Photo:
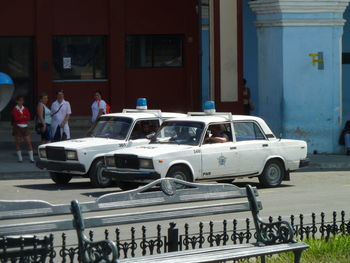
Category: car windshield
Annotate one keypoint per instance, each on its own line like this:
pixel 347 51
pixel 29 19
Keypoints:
pixel 179 132
pixel 111 127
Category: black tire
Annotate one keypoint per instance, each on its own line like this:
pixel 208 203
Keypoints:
pixel 126 186
pixel 60 178
pixel 179 172
pixel 95 174
pixel 273 174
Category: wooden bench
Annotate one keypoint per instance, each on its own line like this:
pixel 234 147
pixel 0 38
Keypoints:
pixel 272 238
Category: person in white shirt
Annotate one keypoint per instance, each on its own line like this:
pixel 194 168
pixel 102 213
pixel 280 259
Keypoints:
pixel 60 112
pixel 98 107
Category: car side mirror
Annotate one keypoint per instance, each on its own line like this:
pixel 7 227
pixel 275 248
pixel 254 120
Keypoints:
pixel 151 135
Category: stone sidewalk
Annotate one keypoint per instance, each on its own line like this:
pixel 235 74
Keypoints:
pixel 11 169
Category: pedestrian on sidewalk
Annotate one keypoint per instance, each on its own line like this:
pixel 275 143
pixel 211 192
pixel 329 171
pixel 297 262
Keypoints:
pixel 20 119
pixel 98 107
pixel 43 114
pixel 344 138
pixel 248 105
pixel 60 113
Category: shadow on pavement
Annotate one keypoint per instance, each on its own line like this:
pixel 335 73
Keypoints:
pixel 70 186
pixel 258 186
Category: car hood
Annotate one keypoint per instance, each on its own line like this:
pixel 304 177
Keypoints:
pixel 83 143
pixel 152 150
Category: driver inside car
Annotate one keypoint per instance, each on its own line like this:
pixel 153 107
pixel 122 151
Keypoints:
pixel 217 135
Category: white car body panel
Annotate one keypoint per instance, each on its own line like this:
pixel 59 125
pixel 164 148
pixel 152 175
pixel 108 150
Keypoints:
pixel 221 160
pixel 90 148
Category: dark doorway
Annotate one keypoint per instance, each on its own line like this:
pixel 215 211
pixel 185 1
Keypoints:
pixel 16 60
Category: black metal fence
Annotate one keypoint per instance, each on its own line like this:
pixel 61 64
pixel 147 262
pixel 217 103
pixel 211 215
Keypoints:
pixel 207 234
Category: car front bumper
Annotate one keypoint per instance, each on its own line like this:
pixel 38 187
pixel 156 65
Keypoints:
pixel 131 176
pixel 61 167
pixel 305 162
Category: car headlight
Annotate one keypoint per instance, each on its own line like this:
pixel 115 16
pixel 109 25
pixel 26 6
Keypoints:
pixel 146 163
pixel 71 155
pixel 42 153
pixel 109 161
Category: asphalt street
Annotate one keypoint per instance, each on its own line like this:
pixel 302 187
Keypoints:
pixel 307 192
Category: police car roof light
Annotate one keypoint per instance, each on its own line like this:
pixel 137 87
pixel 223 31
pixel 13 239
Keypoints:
pixel 209 107
pixel 141 104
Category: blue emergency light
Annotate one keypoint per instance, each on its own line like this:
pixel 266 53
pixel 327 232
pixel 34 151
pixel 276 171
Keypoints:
pixel 209 106
pixel 141 104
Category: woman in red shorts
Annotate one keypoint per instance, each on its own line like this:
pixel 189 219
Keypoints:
pixel 20 119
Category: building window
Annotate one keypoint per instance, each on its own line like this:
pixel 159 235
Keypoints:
pixel 154 51
pixel 79 57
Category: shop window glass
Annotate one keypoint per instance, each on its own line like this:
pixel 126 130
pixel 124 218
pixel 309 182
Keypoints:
pixel 79 57
pixel 154 51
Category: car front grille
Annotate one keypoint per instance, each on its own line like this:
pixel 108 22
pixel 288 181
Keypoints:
pixel 56 153
pixel 127 161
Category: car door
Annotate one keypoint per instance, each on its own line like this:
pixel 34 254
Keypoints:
pixel 252 147
pixel 219 159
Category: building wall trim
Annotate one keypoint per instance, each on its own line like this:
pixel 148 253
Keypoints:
pixel 298 6
pixel 300 22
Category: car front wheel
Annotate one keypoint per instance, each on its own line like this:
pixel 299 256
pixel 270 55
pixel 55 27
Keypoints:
pixel 179 172
pixel 95 174
pixel 60 178
pixel 273 174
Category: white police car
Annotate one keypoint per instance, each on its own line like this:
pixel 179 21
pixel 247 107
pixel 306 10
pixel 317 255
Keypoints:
pixel 112 131
pixel 208 146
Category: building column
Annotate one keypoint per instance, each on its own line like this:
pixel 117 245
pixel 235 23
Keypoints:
pixel 299 69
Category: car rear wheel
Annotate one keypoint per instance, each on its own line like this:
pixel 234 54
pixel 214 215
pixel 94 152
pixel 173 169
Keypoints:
pixel 95 174
pixel 60 178
pixel 273 174
pixel 126 186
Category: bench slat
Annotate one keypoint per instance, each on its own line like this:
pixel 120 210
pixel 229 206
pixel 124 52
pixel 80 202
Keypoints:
pixel 167 214
pixel 38 227
pixel 215 254
pixel 142 197
pixel 127 218
pixel 15 209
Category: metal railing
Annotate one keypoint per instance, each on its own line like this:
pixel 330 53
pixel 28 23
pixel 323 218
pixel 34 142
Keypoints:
pixel 226 232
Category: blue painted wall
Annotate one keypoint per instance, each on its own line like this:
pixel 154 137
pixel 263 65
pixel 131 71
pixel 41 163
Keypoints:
pixel 270 76
pixel 296 98
pixel 250 54
pixel 312 97
pixel 346 69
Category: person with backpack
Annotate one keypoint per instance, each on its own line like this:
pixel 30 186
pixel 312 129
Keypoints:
pixel 20 119
pixel 60 113
pixel 99 106
pixel 43 125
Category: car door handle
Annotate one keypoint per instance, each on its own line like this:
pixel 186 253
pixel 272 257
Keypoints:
pixel 265 145
pixel 233 148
